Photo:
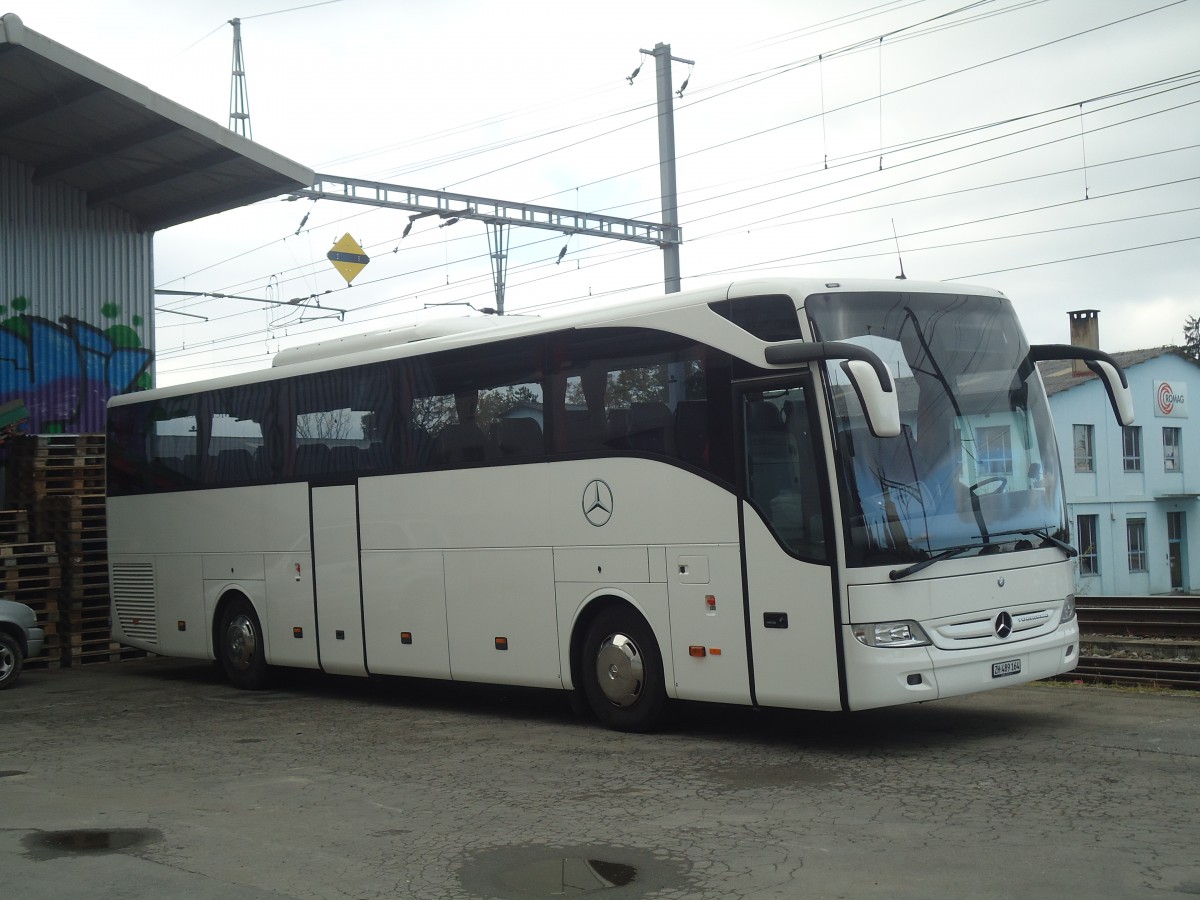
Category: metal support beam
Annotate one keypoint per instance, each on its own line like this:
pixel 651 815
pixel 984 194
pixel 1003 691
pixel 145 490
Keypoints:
pixel 466 206
pixel 498 234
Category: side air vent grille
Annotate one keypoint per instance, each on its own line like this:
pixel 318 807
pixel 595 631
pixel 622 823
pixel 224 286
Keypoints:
pixel 133 600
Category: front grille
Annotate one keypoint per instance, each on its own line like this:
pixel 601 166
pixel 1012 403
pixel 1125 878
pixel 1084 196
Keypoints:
pixel 979 629
pixel 133 600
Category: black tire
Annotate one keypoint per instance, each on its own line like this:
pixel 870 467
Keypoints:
pixel 239 645
pixel 12 658
pixel 621 671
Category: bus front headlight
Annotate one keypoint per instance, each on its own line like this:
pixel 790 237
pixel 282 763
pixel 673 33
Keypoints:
pixel 891 634
pixel 1068 610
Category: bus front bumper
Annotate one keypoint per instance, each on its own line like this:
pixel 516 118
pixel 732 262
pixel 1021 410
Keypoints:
pixel 880 676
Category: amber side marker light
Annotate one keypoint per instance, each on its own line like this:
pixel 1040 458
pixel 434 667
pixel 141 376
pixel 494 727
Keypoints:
pixel 697 651
pixel 406 637
pixel 501 643
pixel 297 632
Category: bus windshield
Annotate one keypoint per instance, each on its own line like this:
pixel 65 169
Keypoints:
pixel 976 464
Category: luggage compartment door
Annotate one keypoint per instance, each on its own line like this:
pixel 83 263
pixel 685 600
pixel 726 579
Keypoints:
pixel 337 579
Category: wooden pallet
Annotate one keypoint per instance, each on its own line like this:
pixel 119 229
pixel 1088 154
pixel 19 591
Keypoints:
pixel 15 554
pixel 32 487
pixel 45 445
pixel 105 653
pixel 14 526
pixel 74 517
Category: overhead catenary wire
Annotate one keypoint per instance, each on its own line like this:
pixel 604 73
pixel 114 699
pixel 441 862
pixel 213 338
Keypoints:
pixel 860 43
pixel 765 224
pixel 764 264
pixel 759 222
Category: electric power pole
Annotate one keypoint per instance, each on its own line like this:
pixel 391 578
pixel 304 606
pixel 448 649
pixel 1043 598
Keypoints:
pixel 239 97
pixel 666 160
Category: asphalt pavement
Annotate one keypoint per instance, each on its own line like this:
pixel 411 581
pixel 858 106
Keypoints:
pixel 154 779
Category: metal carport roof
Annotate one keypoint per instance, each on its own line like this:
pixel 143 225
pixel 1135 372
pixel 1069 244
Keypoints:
pixel 71 119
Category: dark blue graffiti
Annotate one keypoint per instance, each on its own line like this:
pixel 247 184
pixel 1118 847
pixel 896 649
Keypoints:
pixel 64 372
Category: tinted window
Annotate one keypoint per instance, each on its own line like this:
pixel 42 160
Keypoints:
pixel 769 318
pixel 639 391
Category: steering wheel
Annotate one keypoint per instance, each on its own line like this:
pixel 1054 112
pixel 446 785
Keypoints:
pixel 994 479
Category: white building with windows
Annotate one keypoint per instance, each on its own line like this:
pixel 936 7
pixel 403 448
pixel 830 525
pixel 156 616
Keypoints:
pixel 1132 493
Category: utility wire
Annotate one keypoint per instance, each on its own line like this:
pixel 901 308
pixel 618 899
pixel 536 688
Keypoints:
pixel 793 260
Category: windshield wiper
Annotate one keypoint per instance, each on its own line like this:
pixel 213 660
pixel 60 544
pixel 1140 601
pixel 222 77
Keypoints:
pixel 897 574
pixel 1045 535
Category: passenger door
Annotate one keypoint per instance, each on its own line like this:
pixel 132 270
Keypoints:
pixel 787 547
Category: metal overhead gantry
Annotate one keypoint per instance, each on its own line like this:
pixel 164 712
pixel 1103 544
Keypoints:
pixel 497 214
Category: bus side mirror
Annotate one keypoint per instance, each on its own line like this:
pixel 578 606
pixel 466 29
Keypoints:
pixel 879 399
pixel 1119 395
pixel 1103 366
pixel 868 375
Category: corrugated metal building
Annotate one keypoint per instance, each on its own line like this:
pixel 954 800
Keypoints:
pixel 91 165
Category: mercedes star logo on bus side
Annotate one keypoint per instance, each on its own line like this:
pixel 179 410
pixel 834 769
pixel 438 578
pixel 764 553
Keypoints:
pixel 597 502
pixel 1004 625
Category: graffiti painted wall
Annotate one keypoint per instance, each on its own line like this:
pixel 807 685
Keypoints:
pixel 57 376
pixel 76 306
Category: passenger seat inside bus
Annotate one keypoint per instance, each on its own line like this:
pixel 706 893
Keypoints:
pixel 520 437
pixel 459 443
pixel 651 428
pixel 691 431
pixel 233 466
pixel 311 459
pixel 585 430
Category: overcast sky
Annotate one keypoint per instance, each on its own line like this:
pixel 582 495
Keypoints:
pixel 1048 148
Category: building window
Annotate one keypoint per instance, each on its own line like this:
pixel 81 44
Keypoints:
pixel 995 450
pixel 1135 537
pixel 1131 447
pixel 1085 459
pixel 1172 457
pixel 1089 552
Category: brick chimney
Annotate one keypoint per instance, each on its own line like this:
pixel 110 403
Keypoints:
pixel 1085 332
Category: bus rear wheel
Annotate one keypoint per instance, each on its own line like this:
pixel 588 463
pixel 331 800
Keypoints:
pixel 240 645
pixel 621 670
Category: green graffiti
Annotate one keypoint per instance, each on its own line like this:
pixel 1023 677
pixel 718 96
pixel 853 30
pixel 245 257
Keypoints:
pixel 123 336
pixel 110 310
pixel 20 304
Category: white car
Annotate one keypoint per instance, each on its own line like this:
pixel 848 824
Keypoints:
pixel 20 637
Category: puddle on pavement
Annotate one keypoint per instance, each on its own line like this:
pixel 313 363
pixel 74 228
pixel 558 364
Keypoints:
pixel 567 876
pixel 56 844
pixel 540 870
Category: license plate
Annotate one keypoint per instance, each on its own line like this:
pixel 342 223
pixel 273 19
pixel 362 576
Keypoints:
pixel 1008 667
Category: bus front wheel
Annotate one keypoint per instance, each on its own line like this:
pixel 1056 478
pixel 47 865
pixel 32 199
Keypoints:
pixel 621 670
pixel 240 645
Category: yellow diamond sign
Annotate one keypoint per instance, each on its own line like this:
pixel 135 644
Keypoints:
pixel 348 257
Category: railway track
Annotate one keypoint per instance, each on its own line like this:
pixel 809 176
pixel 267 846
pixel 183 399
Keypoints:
pixel 1152 641
pixel 1160 617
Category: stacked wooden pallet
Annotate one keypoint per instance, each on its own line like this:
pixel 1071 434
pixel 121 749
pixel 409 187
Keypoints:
pixel 43 465
pixel 30 573
pixel 59 479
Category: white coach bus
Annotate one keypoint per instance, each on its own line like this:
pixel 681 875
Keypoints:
pixel 785 492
